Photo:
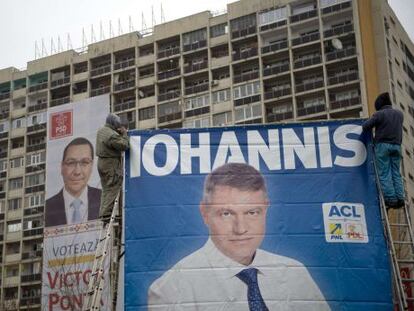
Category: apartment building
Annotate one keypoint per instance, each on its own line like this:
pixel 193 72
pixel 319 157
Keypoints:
pixel 260 62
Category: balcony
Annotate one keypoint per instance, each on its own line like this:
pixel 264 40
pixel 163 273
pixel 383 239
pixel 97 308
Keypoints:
pixel 58 82
pixel 4 114
pixel 32 255
pixel 275 47
pixel 347 52
pixel 275 69
pixel 33 210
pixel 169 117
pixel 308 86
pixel 343 78
pixel 169 74
pixel 37 107
pixel 36 127
pixel 247 53
pixel 100 70
pixel 247 76
pixel 195 67
pixel 243 32
pixel 301 63
pixel 33 189
pixel 124 85
pixel 303 16
pixel 304 111
pixel 124 105
pixel 168 52
pixel 59 101
pixel 30 301
pixel 306 38
pixel 337 7
pixel 124 64
pixel 4 96
pixel 345 103
pixel 196 88
pixel 35 147
pixel 169 95
pixel 195 46
pixel 247 100
pixel 100 91
pixel 339 30
pixel 33 232
pixel 273 25
pixel 31 278
pixel 38 87
pixel 197 111
pixel 277 93
pixel 280 116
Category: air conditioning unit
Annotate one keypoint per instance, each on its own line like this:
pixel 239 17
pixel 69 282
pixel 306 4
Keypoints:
pixel 214 82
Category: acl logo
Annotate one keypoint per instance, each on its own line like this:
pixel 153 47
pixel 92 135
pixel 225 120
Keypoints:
pixel 344 222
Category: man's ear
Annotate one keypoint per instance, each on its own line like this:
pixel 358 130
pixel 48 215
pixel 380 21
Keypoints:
pixel 204 212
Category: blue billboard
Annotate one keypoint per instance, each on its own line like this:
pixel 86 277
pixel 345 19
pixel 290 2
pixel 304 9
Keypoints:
pixel 272 217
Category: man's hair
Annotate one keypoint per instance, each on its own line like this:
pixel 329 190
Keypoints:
pixel 113 120
pixel 235 175
pixel 77 142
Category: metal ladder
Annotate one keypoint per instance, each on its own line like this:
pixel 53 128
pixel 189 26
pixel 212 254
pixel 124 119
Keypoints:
pixel 400 239
pixel 97 280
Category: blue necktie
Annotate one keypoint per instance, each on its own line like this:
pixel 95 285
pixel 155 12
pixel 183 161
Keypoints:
pixel 76 215
pixel 255 299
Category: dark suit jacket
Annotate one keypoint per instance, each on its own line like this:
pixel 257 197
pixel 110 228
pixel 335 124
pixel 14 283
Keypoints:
pixel 55 207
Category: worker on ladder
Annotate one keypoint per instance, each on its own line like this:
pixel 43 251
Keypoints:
pixel 111 141
pixel 388 137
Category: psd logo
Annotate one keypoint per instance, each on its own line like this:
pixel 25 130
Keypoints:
pixel 345 222
pixel 61 124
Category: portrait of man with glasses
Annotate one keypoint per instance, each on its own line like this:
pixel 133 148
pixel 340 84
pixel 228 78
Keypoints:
pixel 76 202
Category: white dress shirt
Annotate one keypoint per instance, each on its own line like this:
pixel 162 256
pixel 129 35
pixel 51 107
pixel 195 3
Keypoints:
pixel 206 280
pixel 68 199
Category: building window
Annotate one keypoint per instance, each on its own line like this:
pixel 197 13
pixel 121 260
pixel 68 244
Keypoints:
pixel 36 179
pixel 19 123
pixel 146 113
pixel 17 162
pixel 36 200
pixel 15 204
pixel 197 102
pixel 218 30
pixel 222 119
pixel 15 183
pixel 3 165
pixel 221 96
pixel 169 108
pixel 36 158
pixel 4 127
pixel 14 226
pixel 272 16
pixel 194 36
pixel 248 112
pixel 35 119
pixel 325 3
pixel 246 90
pixel 243 22
pixel 197 123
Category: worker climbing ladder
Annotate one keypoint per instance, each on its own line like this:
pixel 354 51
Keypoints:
pixel 97 280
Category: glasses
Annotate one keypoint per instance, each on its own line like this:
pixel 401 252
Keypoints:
pixel 73 163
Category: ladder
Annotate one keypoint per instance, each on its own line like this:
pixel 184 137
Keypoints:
pixel 400 240
pixel 96 284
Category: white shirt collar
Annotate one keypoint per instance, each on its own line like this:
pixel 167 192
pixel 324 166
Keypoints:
pixel 68 199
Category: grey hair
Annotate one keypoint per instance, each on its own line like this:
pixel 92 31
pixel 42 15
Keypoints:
pixel 235 175
pixel 113 120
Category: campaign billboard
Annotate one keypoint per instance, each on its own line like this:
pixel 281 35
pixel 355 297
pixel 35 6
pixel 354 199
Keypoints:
pixel 73 194
pixel 267 217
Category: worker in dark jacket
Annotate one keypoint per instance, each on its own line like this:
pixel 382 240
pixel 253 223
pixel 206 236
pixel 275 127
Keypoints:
pixel 388 137
pixel 111 141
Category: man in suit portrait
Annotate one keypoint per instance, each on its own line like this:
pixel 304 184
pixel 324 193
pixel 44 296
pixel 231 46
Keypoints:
pixel 231 272
pixel 76 202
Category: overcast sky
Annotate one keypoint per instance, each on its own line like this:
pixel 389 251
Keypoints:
pixel 23 22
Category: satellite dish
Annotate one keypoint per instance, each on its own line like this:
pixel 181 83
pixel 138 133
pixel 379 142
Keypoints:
pixel 337 44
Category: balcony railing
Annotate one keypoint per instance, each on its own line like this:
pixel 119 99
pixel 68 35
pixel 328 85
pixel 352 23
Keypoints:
pixel 33 210
pixel 100 70
pixel 4 95
pixel 169 95
pixel 303 87
pixel 275 69
pixel 55 83
pixel 124 64
pixel 195 46
pixel 33 232
pixel 343 78
pixel 306 38
pixel 303 16
pixel 32 254
pixel 311 110
pixel 277 93
pixel 275 47
pixel 243 32
pixel 195 67
pixel 250 52
pixel 347 52
pixel 301 63
pixel 26 301
pixel 35 168
pixel 31 277
pixel 4 114
pixel 276 117
pixel 246 76
pixel 197 111
pixel 36 127
pixel 59 101
pixel 35 147
pixel 196 88
pixel 337 7
pixel 247 100
pixel 124 85
pixel 100 91
pixel 169 74
pixel 124 105
pixel 273 25
pixel 33 189
pixel 170 117
pixel 38 87
pixel 349 102
pixel 339 30
pixel 37 107
pixel 168 52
